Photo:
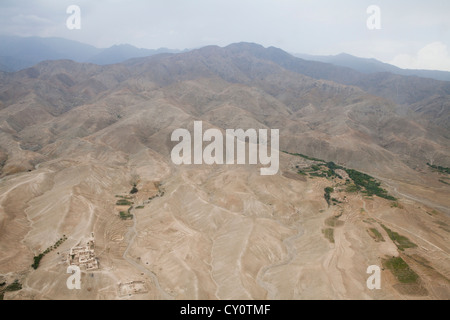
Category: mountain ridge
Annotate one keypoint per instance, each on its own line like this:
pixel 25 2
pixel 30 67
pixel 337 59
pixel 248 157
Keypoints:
pixel 272 72
pixel 85 154
pixel 371 65
pixel 18 53
pixel 14 56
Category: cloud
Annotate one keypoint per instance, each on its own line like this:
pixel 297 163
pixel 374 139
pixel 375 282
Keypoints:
pixel 316 27
pixel 24 19
pixel 27 25
pixel 434 56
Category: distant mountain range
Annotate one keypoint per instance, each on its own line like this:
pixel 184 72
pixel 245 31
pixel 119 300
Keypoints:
pixel 379 116
pixel 17 53
pixel 75 138
pixel 365 65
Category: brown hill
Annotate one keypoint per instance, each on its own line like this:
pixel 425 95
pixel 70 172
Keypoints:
pixel 75 138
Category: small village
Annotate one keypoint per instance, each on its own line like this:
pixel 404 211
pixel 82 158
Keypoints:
pixel 84 256
pixel 132 287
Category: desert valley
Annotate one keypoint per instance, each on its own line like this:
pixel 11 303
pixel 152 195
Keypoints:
pixel 87 179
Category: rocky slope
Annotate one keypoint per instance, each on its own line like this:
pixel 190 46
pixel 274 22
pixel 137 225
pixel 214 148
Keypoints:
pixel 75 138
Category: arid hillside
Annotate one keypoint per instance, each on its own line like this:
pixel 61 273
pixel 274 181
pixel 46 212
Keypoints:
pixel 86 173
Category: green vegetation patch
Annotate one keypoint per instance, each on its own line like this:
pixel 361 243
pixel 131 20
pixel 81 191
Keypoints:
pixel 394 205
pixel 125 215
pixel 369 220
pixel 329 189
pixel 362 182
pixel 134 190
pixel 441 223
pixel 124 197
pixel 331 170
pixel 37 259
pixel 333 222
pixel 375 234
pixel 327 194
pixel 324 171
pixel 15 286
pixel 123 202
pixel 400 241
pixel 370 185
pixel 443 226
pixel 439 168
pixel 329 234
pixel 352 188
pixel 319 175
pixel 401 270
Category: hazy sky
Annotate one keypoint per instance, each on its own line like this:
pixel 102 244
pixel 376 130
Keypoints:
pixel 413 34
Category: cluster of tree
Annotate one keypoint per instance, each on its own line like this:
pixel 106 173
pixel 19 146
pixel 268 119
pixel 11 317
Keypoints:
pixel 123 202
pixel 37 259
pixel 333 166
pixel 320 170
pixel 320 175
pixel 126 215
pixel 134 190
pixel 327 195
pixel 439 168
pixel 362 181
pixel 15 286
pixel 370 185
